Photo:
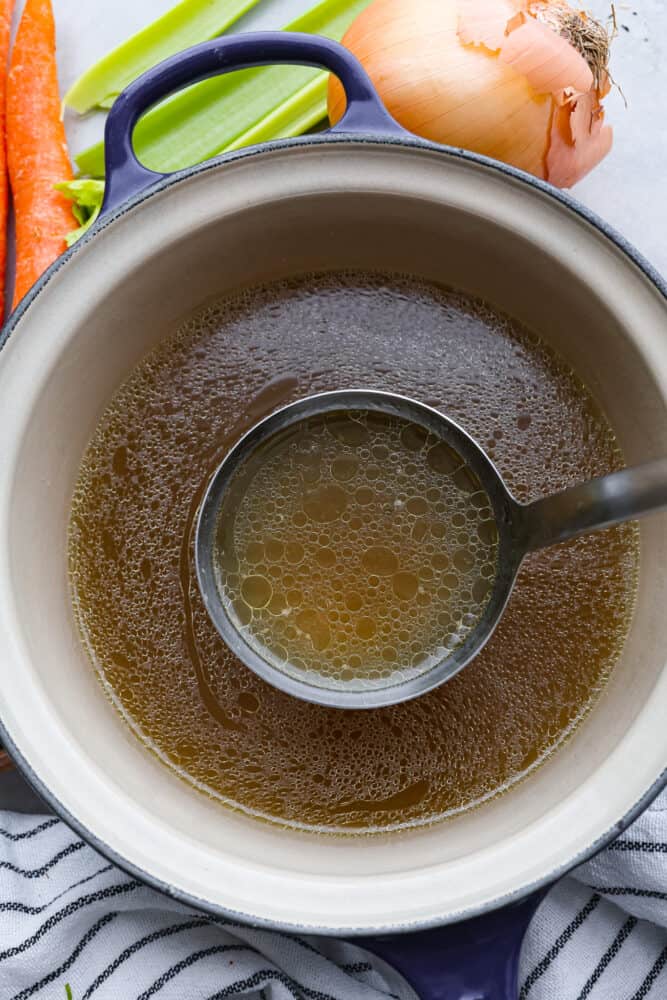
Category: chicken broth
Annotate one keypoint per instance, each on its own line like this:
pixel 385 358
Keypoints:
pixel 213 721
pixel 355 548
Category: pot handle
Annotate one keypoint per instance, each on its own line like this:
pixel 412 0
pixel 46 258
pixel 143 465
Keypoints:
pixel 477 959
pixel 126 176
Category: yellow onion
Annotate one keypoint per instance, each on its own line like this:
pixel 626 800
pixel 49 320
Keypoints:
pixel 518 81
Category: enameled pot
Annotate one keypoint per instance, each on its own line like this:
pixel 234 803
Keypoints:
pixel 368 195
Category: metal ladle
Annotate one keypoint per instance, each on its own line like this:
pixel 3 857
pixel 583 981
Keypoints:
pixel 522 528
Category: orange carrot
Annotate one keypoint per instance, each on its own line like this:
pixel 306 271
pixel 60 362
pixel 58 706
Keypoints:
pixel 6 8
pixel 36 147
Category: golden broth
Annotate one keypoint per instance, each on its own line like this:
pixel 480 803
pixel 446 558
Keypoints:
pixel 160 658
pixel 355 547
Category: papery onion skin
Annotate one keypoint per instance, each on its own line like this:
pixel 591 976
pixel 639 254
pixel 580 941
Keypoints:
pixel 486 75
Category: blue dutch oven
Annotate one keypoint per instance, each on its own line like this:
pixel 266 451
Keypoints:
pixel 447 905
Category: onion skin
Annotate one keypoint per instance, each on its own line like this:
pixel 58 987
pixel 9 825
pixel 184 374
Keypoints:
pixel 484 75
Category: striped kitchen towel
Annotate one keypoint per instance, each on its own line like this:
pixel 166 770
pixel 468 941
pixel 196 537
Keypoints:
pixel 70 922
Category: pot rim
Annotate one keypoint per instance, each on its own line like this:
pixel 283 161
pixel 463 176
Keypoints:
pixel 162 183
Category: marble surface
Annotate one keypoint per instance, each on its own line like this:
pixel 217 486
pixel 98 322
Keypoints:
pixel 628 189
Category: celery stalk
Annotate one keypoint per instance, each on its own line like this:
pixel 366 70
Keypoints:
pixel 191 21
pixel 301 112
pixel 87 195
pixel 248 106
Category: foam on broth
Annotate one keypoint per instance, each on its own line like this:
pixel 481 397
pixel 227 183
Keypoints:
pixel 160 658
pixel 355 549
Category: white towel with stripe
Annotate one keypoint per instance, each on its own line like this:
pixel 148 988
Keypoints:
pixel 71 924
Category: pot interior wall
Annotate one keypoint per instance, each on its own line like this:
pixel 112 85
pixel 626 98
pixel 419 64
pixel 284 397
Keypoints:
pixel 276 214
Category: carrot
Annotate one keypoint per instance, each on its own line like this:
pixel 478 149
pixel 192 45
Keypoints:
pixel 36 147
pixel 6 8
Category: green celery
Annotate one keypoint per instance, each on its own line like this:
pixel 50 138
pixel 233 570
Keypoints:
pixel 191 21
pixel 85 191
pixel 87 195
pixel 248 106
pixel 296 115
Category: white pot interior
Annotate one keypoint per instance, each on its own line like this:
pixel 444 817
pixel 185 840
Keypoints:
pixel 274 214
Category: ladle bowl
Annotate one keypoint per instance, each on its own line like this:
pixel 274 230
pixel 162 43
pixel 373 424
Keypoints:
pixel 522 528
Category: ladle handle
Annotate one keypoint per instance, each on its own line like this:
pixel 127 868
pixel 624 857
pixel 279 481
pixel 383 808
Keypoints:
pixel 126 176
pixel 599 503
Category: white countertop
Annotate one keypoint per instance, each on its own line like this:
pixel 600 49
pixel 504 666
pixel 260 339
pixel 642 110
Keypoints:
pixel 628 189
